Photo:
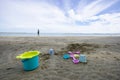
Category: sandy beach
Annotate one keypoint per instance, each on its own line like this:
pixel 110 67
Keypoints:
pixel 103 58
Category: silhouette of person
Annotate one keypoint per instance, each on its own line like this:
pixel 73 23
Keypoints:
pixel 38 32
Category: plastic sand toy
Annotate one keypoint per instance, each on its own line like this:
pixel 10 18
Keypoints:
pixel 51 51
pixel 29 59
pixel 28 55
pixel 76 55
pixel 76 52
pixel 66 56
pixel 75 61
pixel 82 58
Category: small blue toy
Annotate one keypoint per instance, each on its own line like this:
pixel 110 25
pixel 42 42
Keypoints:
pixel 66 56
pixel 82 58
pixel 51 51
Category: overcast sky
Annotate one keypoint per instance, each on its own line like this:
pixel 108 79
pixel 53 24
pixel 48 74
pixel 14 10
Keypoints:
pixel 62 16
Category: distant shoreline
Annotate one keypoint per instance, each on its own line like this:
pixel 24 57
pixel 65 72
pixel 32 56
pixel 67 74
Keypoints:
pixel 57 34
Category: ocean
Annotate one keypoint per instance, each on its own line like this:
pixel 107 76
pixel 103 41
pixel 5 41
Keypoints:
pixel 58 34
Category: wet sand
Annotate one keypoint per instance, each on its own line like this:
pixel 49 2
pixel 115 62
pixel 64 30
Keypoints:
pixel 103 58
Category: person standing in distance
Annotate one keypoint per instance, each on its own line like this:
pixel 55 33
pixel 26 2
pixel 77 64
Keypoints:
pixel 38 32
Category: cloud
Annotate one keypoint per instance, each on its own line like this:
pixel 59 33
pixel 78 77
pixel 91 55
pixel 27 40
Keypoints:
pixel 42 15
pixel 30 15
pixel 86 10
pixel 106 23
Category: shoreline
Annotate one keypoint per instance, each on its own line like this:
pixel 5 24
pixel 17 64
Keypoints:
pixel 61 36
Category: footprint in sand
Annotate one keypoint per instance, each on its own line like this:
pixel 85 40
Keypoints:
pixel 52 62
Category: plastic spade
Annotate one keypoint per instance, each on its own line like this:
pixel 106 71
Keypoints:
pixel 75 61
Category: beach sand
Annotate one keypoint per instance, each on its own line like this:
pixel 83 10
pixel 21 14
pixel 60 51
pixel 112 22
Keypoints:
pixel 103 58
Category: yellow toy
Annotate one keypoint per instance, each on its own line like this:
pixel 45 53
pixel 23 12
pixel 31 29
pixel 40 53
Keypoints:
pixel 76 55
pixel 28 55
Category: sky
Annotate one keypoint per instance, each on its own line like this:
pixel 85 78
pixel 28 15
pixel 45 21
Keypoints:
pixel 60 16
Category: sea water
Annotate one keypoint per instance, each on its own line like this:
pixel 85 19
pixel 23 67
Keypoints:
pixel 58 34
